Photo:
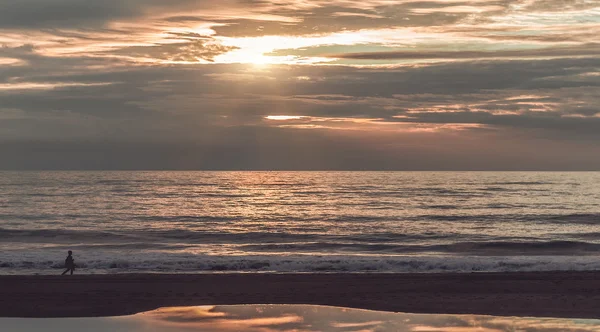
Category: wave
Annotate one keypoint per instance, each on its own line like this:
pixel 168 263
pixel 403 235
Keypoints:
pixel 473 248
pixel 55 235
pixel 279 264
pixel 532 247
pixel 438 212
pixel 272 242
pixel 574 218
pixel 522 183
pixel 186 238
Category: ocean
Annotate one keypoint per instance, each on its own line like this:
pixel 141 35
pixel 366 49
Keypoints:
pixel 215 222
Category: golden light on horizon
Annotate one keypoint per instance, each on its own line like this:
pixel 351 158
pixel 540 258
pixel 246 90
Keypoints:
pixel 259 50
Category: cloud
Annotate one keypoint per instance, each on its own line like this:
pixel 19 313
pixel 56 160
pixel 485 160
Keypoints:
pixel 356 79
pixel 587 50
pixel 199 50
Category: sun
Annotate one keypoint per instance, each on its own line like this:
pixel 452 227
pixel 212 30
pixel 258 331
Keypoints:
pixel 259 51
pixel 259 60
pixel 256 58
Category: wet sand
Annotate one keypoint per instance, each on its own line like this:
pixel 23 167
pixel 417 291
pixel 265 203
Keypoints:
pixel 541 294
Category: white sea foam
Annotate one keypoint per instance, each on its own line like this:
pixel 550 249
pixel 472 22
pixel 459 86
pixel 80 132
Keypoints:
pixel 186 263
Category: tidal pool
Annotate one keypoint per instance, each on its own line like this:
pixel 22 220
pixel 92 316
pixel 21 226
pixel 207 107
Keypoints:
pixel 300 318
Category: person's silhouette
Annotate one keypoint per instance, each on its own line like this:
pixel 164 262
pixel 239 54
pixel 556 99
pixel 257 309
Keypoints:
pixel 69 263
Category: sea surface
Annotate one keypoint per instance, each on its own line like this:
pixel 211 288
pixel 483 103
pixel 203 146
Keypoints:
pixel 212 222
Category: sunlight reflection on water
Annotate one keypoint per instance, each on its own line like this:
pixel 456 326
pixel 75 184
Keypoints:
pixel 277 318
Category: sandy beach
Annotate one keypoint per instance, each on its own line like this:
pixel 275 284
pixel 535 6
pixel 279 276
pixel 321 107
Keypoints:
pixel 543 294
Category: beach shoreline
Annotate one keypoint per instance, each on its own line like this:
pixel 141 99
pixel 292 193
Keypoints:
pixel 538 294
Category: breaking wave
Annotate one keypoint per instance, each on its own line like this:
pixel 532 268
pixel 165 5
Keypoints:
pixel 306 264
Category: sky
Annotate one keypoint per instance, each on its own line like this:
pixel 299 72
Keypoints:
pixel 300 84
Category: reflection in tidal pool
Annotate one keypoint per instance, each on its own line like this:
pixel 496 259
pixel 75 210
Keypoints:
pixel 275 318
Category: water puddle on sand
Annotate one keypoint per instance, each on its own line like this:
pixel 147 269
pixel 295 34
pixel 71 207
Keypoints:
pixel 275 318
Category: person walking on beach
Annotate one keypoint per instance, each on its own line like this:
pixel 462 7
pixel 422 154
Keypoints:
pixel 69 263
